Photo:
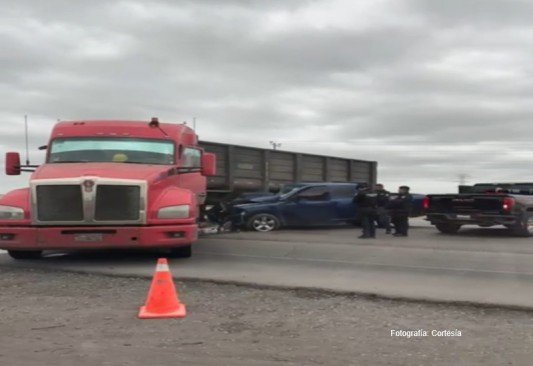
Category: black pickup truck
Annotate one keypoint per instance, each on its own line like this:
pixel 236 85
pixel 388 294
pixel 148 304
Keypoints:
pixel 486 205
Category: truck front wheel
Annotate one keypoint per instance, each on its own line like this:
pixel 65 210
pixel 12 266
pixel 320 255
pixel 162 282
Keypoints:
pixel 181 252
pixel 263 222
pixel 25 254
pixel 448 228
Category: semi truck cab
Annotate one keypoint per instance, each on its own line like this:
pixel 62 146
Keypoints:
pixel 108 184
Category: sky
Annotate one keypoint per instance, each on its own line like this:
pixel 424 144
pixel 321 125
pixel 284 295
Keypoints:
pixel 431 90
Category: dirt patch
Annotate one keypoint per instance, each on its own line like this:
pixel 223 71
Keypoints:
pixel 60 318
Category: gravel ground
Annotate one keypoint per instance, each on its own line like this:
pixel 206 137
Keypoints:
pixel 57 318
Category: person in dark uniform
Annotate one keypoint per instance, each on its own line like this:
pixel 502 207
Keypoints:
pixel 365 201
pixel 400 208
pixel 382 200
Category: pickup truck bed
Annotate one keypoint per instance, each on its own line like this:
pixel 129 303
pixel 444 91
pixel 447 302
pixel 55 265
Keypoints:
pixel 448 212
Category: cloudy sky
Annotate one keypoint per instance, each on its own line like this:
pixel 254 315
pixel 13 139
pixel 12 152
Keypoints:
pixel 429 89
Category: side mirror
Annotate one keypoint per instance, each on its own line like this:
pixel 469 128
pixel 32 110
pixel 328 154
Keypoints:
pixel 209 164
pixel 12 163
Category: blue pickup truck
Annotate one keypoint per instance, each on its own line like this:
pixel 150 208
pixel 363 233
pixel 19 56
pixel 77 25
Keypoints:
pixel 301 204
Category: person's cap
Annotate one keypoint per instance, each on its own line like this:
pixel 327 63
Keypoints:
pixel 405 187
pixel 362 185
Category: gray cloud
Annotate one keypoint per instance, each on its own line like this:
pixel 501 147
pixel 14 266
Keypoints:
pixel 429 89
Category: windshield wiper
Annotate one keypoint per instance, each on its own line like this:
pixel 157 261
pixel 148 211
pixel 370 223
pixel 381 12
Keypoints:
pixel 140 162
pixel 92 161
pixel 70 161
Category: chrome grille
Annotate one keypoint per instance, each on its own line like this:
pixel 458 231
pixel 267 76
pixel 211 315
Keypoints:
pixel 59 203
pixel 88 201
pixel 117 203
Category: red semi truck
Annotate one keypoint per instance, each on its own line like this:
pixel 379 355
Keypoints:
pixel 108 184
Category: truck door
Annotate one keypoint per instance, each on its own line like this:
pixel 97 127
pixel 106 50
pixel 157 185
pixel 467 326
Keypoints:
pixel 343 196
pixel 311 206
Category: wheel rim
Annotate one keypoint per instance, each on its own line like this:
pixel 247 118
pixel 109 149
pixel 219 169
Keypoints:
pixel 264 223
pixel 528 225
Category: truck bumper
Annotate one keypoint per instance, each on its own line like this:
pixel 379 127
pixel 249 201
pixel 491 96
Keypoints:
pixel 72 238
pixel 476 219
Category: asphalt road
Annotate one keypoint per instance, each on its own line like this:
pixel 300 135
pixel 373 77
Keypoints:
pixel 482 266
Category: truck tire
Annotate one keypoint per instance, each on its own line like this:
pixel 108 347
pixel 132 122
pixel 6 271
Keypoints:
pixel 25 254
pixel 181 252
pixel 521 229
pixel 448 228
pixel 263 223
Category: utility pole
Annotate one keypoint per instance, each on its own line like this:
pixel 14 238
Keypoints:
pixel 275 145
pixel 462 177
pixel 26 138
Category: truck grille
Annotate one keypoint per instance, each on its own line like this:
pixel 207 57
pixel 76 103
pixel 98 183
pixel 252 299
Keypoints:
pixel 59 203
pixel 89 201
pixel 117 203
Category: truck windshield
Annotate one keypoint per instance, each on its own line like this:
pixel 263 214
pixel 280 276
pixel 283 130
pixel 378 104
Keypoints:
pixel 112 150
pixel 289 189
pixel 484 188
pixel 520 188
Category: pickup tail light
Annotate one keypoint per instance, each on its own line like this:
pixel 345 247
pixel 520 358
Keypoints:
pixel 508 204
pixel 426 203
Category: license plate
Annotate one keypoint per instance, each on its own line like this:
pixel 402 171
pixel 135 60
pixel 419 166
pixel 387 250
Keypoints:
pixel 88 237
pixel 463 217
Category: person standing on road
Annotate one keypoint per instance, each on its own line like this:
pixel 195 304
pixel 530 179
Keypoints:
pixel 365 201
pixel 400 208
pixel 382 200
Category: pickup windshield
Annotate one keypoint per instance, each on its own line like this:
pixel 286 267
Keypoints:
pixel 290 188
pixel 510 188
pixel 111 150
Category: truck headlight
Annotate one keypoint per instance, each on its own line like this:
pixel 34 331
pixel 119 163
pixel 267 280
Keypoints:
pixel 11 213
pixel 174 212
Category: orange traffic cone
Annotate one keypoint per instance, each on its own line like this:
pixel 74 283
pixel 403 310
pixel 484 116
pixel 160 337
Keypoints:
pixel 162 301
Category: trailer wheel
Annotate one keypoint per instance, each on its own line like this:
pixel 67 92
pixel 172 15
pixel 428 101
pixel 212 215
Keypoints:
pixel 263 223
pixel 521 229
pixel 448 228
pixel 25 254
pixel 181 252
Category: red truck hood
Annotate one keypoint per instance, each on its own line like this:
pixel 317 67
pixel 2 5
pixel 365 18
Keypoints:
pixel 107 170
